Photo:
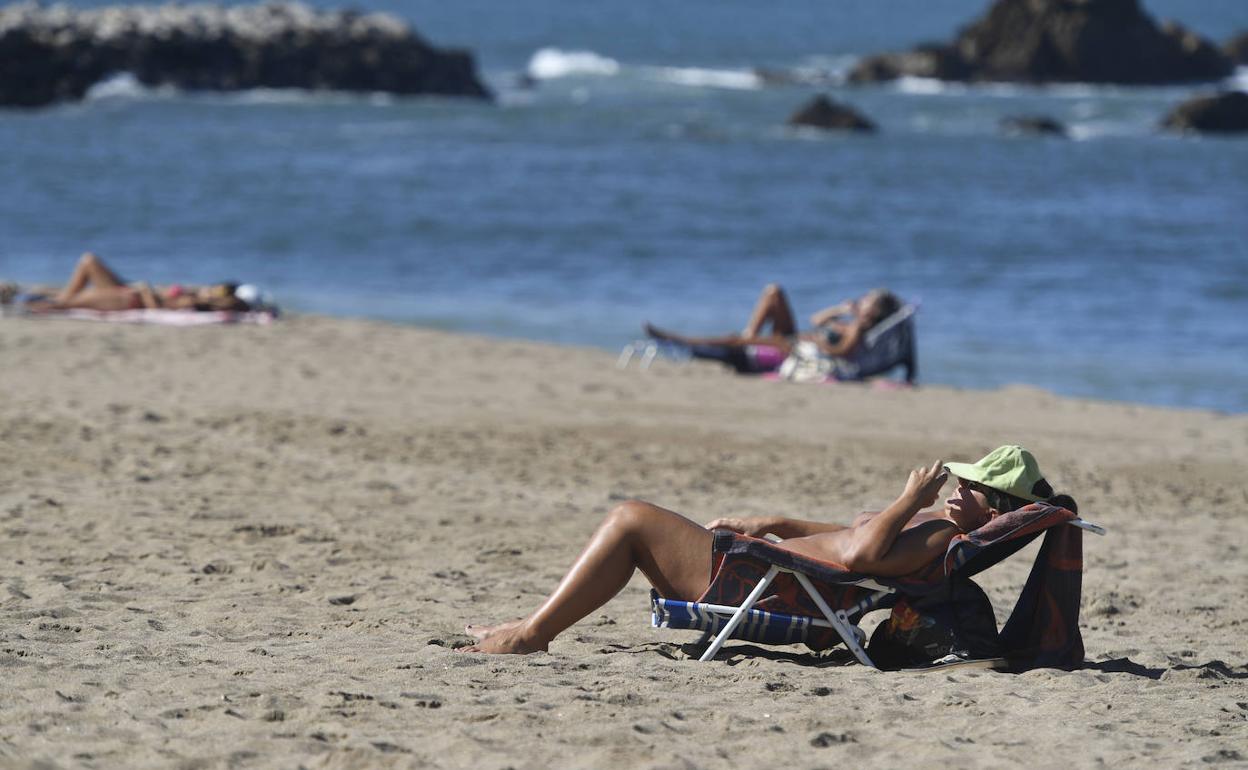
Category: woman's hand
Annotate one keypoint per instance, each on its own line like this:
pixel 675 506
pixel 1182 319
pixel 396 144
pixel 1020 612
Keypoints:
pixel 924 484
pixel 754 526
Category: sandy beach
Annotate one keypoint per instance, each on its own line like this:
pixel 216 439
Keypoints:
pixel 258 546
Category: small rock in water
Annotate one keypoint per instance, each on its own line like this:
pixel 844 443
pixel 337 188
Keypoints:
pixel 1032 125
pixel 823 113
pixel 1224 113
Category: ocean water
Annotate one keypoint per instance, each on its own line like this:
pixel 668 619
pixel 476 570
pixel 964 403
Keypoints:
pixel 635 167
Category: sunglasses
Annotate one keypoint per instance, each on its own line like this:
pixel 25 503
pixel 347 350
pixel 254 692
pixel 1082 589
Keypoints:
pixel 975 486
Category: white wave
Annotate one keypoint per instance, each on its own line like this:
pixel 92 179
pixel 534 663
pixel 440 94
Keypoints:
pixel 124 85
pixel 262 96
pixel 1239 79
pixel 700 77
pixel 926 86
pixel 910 84
pixel 549 63
pixel 1095 129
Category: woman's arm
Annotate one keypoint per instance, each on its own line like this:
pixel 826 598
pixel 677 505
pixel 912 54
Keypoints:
pixel 914 548
pixel 872 541
pixel 848 307
pixel 150 300
pixel 757 526
pixel 851 335
pixel 878 546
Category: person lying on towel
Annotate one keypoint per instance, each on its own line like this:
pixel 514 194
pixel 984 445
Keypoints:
pixel 674 553
pixel 94 286
pixel 771 332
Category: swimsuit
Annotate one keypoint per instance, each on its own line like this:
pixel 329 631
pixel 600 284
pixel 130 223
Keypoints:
pixel 733 577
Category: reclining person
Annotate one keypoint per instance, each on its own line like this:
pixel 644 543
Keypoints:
pixel 674 553
pixel 94 286
pixel 838 331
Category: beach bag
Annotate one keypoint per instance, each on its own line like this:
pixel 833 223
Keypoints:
pixel 807 363
pixel 957 620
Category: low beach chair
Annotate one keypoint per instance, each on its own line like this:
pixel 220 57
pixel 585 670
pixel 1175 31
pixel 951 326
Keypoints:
pixel 763 593
pixel 888 345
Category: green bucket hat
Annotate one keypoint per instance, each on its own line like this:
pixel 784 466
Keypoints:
pixel 1010 469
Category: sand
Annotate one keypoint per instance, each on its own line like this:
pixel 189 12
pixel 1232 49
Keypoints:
pixel 238 547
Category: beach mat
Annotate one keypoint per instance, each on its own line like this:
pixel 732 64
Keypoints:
pixel 161 317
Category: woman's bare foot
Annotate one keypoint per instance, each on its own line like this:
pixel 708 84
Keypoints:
pixel 514 640
pixel 481 631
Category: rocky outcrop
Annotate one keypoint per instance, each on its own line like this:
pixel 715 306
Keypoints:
pixel 1236 49
pixel 1224 113
pixel 1059 41
pixel 823 113
pixel 1032 125
pixel 55 53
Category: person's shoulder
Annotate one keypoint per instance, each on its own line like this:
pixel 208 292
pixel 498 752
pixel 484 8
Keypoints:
pixel 938 526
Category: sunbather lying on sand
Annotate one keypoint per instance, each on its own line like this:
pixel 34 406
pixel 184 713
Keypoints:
pixel 838 329
pixel 94 286
pixel 674 553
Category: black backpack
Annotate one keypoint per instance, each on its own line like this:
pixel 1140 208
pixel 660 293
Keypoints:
pixel 956 620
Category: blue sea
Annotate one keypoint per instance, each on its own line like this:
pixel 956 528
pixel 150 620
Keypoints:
pixel 636 168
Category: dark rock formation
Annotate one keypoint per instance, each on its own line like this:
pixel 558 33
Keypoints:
pixel 1223 113
pixel 1032 125
pixel 822 112
pixel 1236 48
pixel 1059 41
pixel 56 53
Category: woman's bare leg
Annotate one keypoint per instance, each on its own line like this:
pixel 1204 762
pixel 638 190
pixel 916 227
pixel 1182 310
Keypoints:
pixel 729 341
pixel 99 298
pixel 90 271
pixel 673 553
pixel 772 308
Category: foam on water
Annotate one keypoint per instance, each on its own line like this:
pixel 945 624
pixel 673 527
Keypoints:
pixel 551 63
pixel 1096 129
pixel 700 77
pixel 926 86
pixel 125 86
pixel 300 96
pixel 932 86
pixel 1238 80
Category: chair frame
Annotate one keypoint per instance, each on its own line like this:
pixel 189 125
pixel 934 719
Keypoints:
pixel 844 622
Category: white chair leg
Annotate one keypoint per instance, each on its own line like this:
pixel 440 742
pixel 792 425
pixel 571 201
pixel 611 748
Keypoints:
pixel 736 618
pixel 626 355
pixel 838 620
pixel 648 356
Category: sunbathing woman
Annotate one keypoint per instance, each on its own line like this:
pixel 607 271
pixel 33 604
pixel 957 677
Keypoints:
pixel 94 286
pixel 674 553
pixel 838 330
